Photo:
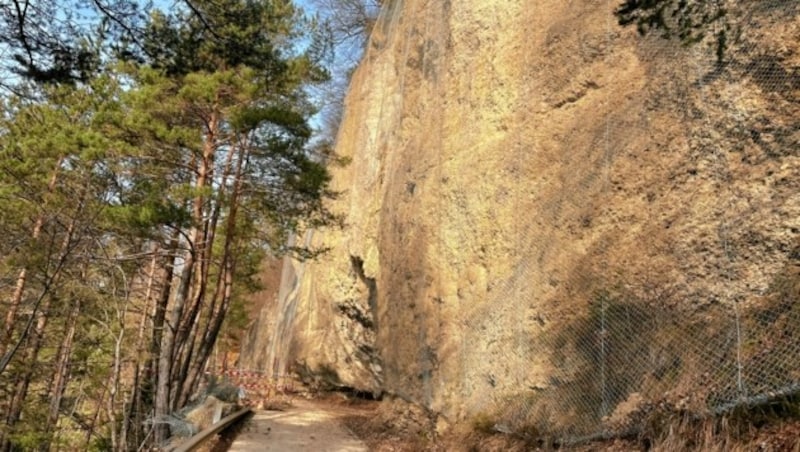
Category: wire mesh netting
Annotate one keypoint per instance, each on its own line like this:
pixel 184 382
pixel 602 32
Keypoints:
pixel 566 225
pixel 700 312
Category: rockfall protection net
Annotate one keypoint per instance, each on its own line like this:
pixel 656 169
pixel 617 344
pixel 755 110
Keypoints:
pixel 697 337
pixel 698 164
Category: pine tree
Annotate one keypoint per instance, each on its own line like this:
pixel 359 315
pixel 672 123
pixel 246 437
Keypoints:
pixel 224 80
pixel 144 197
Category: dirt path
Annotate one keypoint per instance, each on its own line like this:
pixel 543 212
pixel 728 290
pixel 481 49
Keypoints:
pixel 305 426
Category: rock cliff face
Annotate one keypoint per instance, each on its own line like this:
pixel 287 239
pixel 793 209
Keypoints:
pixel 515 162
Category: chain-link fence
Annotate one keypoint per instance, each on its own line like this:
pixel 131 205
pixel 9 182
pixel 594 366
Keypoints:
pixel 574 225
pixel 690 300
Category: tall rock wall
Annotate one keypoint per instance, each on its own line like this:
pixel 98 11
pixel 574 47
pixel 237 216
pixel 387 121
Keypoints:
pixel 515 165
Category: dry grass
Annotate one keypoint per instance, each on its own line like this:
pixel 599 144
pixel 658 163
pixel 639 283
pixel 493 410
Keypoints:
pixel 772 427
pixel 385 428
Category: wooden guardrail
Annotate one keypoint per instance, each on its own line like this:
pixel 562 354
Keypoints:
pixel 198 439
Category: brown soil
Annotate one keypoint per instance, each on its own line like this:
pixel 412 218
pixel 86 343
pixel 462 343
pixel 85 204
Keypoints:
pixel 756 430
pixel 304 425
pixel 336 423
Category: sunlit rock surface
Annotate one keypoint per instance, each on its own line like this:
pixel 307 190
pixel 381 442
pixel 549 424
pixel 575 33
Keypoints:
pixel 511 161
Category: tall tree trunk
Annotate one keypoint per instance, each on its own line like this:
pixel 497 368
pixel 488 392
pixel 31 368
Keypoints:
pixel 19 287
pixel 194 372
pixel 34 341
pixel 131 418
pixel 160 307
pixel 164 367
pixel 183 391
pixel 165 389
pixel 116 370
pixel 186 391
pixel 215 323
pixel 92 426
pixel 62 372
pixel 159 324
pixel 217 314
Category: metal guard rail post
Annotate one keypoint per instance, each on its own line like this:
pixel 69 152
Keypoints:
pixel 200 437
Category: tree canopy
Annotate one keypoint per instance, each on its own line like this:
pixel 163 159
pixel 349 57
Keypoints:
pixel 148 163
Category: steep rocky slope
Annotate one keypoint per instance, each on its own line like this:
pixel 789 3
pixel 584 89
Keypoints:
pixel 518 167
